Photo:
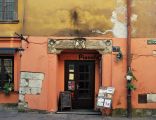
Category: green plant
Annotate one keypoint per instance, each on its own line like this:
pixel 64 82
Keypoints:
pixel 131 86
pixel 8 87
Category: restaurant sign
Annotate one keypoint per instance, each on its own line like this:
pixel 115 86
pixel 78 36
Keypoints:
pixel 89 56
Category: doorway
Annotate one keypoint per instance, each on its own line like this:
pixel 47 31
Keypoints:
pixel 80 80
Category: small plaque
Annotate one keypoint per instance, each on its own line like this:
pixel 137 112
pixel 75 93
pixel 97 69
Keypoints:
pixel 151 42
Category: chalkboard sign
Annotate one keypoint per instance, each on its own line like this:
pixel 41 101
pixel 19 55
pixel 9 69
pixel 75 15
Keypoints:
pixel 65 99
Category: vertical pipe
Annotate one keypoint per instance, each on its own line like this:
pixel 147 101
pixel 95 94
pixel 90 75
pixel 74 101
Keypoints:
pixel 129 106
pixel 23 17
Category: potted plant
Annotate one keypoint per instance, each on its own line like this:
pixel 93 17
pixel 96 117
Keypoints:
pixel 8 87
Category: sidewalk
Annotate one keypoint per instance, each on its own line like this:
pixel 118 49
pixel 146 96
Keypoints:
pixel 15 115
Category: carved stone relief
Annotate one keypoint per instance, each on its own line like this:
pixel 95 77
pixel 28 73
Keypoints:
pixel 102 46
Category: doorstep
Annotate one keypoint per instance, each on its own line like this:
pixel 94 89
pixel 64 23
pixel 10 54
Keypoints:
pixel 80 112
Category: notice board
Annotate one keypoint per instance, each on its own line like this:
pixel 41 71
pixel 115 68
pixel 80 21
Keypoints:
pixel 65 100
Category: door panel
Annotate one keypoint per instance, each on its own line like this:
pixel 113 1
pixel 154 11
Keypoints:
pixel 79 79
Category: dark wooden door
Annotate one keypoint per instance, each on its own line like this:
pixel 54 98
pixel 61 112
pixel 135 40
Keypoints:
pixel 80 79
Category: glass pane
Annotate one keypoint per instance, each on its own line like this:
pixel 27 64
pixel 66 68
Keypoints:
pixel 81 68
pixel 84 68
pixel 7 62
pixel 8 69
pixel 9 0
pixel 10 6
pixel 10 77
pixel 83 76
pixel 0 15
pixel 0 6
pixel 84 93
pixel 81 85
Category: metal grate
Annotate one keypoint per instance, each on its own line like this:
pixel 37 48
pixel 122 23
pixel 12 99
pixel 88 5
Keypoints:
pixel 7 10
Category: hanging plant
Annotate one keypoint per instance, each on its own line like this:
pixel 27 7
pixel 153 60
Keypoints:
pixel 131 86
pixel 8 87
pixel 130 77
pixel 130 73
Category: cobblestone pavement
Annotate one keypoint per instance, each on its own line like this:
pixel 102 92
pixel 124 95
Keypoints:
pixel 14 115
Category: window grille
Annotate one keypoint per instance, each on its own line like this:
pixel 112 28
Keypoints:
pixel 8 10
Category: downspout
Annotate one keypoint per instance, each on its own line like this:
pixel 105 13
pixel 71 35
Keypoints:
pixel 23 17
pixel 129 105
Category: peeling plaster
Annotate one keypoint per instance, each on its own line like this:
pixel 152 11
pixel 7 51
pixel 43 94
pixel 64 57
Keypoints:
pixel 119 21
pixel 30 84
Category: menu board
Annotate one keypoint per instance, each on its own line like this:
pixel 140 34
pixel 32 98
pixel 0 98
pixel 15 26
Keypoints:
pixel 65 99
pixel 104 98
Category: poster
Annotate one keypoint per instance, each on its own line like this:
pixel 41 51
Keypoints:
pixel 71 85
pixel 71 76
pixel 102 92
pixel 100 101
pixel 107 103
pixel 110 90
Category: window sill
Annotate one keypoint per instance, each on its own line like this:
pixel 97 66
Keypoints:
pixel 9 22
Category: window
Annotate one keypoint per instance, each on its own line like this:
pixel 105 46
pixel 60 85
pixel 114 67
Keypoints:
pixel 8 10
pixel 6 71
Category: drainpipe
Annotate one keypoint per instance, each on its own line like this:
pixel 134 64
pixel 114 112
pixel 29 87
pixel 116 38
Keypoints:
pixel 129 105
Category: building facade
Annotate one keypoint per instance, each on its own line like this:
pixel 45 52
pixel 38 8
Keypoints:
pixel 78 46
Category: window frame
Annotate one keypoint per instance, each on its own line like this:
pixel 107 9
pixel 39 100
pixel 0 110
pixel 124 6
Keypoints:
pixel 12 58
pixel 12 21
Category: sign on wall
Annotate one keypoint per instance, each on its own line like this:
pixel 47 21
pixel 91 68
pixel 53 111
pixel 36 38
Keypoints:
pixel 151 42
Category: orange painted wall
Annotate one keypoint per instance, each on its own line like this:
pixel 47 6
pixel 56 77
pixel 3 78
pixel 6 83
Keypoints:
pixel 114 74
pixel 12 43
pixel 143 66
pixel 36 59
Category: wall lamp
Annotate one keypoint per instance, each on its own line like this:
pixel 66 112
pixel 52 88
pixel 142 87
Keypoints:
pixel 119 54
